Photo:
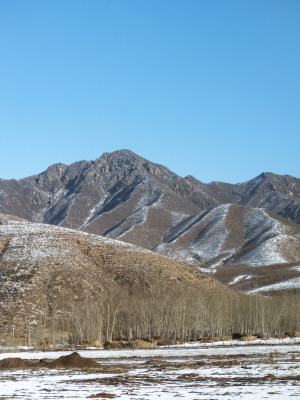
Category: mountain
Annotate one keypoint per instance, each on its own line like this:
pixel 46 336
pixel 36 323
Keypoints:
pixel 277 193
pixel 225 229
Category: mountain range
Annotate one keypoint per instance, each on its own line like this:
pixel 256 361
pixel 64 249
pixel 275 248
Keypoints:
pixel 247 234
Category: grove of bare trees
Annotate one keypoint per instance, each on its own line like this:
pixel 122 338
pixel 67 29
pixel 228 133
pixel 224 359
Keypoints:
pixel 176 314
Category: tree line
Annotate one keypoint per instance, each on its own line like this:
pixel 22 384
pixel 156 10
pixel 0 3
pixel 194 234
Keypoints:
pixel 176 313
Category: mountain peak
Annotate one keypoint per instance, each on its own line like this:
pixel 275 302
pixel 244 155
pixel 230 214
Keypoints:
pixel 119 154
pixel 266 175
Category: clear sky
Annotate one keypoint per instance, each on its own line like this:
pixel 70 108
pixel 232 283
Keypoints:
pixel 209 88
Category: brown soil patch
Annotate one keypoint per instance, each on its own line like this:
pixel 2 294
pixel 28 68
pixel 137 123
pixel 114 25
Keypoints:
pixel 15 363
pixel 73 361
pixel 102 396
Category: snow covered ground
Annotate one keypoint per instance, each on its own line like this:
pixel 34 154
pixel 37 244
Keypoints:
pixel 269 370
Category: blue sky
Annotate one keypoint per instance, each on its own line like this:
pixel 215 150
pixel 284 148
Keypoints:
pixel 209 88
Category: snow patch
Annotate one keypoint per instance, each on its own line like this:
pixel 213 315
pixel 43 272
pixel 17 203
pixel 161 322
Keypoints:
pixel 2 193
pixel 139 215
pixel 177 218
pixel 239 278
pixel 93 212
pixel 50 200
pixel 150 198
pixel 264 234
pixel 178 255
pixel 297 268
pixel 29 242
pixel 211 238
pixel 289 284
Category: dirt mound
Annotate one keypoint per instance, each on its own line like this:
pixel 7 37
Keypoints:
pixel 15 363
pixel 73 361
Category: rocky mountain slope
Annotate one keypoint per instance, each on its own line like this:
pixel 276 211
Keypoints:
pixel 212 226
pixel 249 249
pixel 45 269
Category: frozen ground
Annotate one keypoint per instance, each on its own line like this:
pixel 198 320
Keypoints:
pixel 205 372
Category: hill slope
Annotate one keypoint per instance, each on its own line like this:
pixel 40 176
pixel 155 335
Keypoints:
pixel 45 269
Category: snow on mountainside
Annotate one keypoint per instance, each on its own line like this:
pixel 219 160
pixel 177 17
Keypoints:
pixel 123 196
pixel 243 247
pixel 290 284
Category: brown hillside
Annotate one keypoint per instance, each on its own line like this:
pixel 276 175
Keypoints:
pixel 46 269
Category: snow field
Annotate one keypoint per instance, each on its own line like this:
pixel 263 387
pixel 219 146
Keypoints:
pixel 192 371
